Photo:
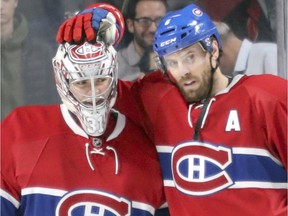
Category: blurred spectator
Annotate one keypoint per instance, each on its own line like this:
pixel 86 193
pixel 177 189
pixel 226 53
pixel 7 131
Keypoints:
pixel 147 63
pixel 176 5
pixel 247 18
pixel 256 25
pixel 26 70
pixel 44 18
pixel 72 8
pixel 243 56
pixel 116 3
pixel 142 17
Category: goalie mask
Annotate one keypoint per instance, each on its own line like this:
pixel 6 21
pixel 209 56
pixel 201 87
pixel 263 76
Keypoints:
pixel 86 79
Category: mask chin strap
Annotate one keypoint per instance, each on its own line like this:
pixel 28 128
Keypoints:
pixel 206 101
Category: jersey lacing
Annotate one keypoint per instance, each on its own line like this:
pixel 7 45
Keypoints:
pixel 100 151
pixel 202 116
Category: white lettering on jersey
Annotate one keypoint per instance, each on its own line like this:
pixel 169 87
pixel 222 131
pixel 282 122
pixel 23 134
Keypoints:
pixel 94 124
pixel 233 121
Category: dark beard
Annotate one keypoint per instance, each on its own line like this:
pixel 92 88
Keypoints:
pixel 142 43
pixel 201 93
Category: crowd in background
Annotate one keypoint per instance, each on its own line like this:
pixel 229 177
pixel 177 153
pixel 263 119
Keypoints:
pixel 27 78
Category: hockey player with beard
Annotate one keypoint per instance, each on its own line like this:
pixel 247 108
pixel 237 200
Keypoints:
pixel 222 141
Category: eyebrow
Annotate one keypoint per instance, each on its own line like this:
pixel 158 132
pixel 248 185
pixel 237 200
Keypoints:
pixel 185 53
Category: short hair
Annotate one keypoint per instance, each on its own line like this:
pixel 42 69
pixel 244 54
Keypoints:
pixel 223 30
pixel 129 12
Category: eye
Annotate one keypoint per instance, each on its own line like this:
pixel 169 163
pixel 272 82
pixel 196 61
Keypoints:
pixel 101 80
pixel 189 58
pixel 171 64
pixel 80 83
pixel 144 21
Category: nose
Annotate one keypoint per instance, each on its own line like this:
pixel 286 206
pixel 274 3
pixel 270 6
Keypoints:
pixel 94 90
pixel 183 69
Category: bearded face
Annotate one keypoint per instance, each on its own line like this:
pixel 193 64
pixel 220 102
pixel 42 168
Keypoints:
pixel 191 71
pixel 195 94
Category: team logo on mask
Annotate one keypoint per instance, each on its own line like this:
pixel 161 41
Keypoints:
pixel 83 53
pixel 199 169
pixel 90 202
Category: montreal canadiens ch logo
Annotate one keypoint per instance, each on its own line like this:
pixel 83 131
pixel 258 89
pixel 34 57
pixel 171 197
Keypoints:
pixel 197 12
pixel 198 169
pixel 92 203
pixel 79 54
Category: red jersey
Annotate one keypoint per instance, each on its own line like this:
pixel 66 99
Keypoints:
pixel 239 164
pixel 51 167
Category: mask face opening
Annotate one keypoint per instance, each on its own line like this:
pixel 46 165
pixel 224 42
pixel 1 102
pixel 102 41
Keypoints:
pixel 92 92
pixel 86 79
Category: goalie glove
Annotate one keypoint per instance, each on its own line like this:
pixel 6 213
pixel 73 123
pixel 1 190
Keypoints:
pixel 98 22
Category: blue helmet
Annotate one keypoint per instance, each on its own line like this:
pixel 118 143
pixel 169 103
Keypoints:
pixel 182 28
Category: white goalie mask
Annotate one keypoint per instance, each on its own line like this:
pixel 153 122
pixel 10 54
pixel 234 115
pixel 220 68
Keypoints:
pixel 86 79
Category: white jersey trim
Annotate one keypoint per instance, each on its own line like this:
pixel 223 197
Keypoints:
pixel 10 198
pixel 143 206
pixel 234 81
pixel 259 185
pixel 164 149
pixel 71 123
pixel 248 151
pixel 244 184
pixel 61 193
pixel 40 190
pixel 120 125
pixel 169 183
pixel 256 151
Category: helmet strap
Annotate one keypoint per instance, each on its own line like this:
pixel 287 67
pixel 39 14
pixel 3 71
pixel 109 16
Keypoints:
pixel 213 69
pixel 205 101
pixel 161 66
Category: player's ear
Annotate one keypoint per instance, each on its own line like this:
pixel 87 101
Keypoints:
pixel 215 52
